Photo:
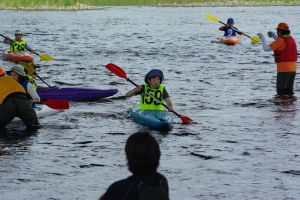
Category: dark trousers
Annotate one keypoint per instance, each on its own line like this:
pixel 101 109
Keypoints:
pixel 285 83
pixel 17 105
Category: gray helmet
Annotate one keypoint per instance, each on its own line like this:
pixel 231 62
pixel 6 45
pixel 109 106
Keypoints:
pixel 18 32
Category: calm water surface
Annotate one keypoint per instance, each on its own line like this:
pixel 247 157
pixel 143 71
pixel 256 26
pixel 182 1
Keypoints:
pixel 245 145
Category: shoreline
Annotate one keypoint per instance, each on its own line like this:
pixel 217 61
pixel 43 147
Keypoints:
pixel 236 3
pixel 76 7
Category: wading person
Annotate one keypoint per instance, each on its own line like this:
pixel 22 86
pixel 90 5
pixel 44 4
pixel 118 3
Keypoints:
pixel 14 103
pixel 285 56
pixel 143 154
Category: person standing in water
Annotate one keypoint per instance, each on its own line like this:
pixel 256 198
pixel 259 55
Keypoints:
pixel 285 56
pixel 14 103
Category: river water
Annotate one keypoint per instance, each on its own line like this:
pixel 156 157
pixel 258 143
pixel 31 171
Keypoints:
pixel 245 145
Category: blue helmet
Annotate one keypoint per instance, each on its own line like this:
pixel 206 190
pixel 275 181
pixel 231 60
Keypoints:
pixel 230 20
pixel 154 72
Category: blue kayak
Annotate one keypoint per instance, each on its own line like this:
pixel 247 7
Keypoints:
pixel 157 119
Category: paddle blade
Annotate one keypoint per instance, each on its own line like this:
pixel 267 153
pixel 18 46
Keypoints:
pixel 212 18
pixel 27 66
pixel 255 39
pixel 57 104
pixel 45 57
pixel 116 70
pixel 187 120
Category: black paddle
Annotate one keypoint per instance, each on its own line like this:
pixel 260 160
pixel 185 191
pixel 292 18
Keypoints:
pixel 121 73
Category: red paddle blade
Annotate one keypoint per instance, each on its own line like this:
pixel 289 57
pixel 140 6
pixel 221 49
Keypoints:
pixel 187 120
pixel 116 70
pixel 57 104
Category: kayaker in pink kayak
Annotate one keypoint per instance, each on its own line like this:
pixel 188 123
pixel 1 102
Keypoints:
pixel 153 86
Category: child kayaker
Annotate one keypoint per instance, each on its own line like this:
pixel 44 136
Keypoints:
pixel 229 29
pixel 17 44
pixel 153 86
pixel 32 76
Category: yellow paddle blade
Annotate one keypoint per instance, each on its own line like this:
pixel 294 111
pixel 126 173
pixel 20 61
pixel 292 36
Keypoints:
pixel 45 57
pixel 212 18
pixel 255 39
pixel 27 66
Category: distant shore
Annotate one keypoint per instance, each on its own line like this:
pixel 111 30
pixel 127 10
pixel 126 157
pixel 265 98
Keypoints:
pixel 233 3
pixel 61 8
pixel 230 3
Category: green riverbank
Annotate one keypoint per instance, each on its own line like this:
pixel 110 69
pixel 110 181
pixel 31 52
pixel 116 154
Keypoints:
pixel 97 5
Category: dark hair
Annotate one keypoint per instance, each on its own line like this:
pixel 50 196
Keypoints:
pixel 142 153
pixel 22 79
pixel 285 32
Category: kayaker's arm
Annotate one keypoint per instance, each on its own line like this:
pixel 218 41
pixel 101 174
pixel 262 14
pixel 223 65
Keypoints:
pixel 32 93
pixel 169 104
pixel 132 92
pixel 222 28
pixel 29 48
pixel 7 40
pixel 240 32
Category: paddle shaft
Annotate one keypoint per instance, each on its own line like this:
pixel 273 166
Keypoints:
pixel 154 98
pixel 44 81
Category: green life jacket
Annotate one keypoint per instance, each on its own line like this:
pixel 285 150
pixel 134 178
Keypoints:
pixel 147 102
pixel 32 81
pixel 17 46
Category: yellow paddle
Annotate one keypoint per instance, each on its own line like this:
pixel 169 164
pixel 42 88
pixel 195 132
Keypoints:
pixel 254 39
pixel 30 68
pixel 44 57
pixel 27 66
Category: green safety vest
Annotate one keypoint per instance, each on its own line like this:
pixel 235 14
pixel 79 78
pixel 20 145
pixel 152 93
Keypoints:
pixel 14 46
pixel 32 81
pixel 147 102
